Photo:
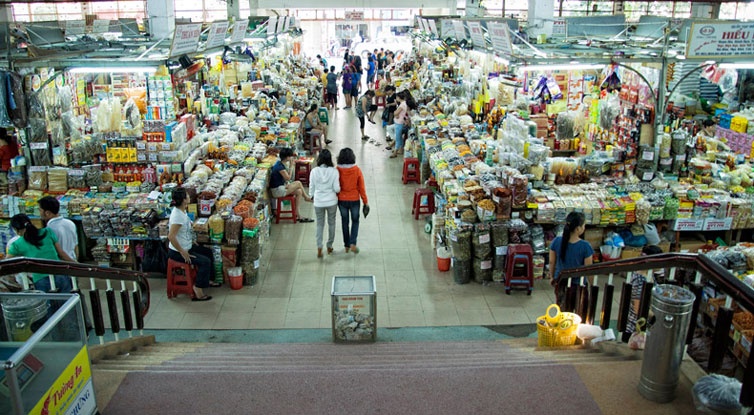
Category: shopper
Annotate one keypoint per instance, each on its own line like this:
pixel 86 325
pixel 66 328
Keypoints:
pixel 389 111
pixel 313 125
pixel 371 71
pixel 332 89
pixel 568 251
pixel 65 229
pixel 346 85
pixel 281 184
pixel 365 109
pixel 351 191
pixel 183 249
pixel 638 279
pixel 324 186
pixel 40 244
pixel 400 118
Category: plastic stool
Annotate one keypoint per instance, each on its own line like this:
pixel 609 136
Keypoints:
pixel 379 100
pixel 303 168
pixel 281 214
pixel 519 269
pixel 411 170
pixel 181 278
pixel 419 208
pixel 312 141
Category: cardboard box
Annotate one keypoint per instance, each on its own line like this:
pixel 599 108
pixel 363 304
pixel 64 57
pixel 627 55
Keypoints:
pixel 691 245
pixel 630 252
pixel 594 237
pixel 665 246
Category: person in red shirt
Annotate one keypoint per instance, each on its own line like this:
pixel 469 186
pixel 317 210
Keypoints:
pixel 8 150
pixel 351 190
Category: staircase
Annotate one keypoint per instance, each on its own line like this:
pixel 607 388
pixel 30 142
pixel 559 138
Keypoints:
pixel 475 377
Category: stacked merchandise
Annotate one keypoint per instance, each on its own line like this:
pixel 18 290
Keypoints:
pixel 483 256
pixel 460 243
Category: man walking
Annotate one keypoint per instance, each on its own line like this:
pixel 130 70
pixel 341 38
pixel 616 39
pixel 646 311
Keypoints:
pixel 65 229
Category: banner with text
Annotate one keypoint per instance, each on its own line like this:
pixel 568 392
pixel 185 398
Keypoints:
pixel 185 39
pixel 446 26
pixel 432 27
pixel 216 34
pixel 477 35
pixel 459 29
pixel 72 392
pixel 501 39
pixel 239 31
pixel 721 40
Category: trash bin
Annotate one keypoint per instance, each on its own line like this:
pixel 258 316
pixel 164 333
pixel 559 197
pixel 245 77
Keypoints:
pixel 664 347
pixel 354 309
pixel 20 313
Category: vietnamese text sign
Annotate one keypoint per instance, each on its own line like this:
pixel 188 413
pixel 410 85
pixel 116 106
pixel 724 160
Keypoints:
pixel 688 225
pixel 185 38
pixel 559 28
pixel 100 26
pixel 239 30
pixel 712 224
pixel 477 35
pixel 360 303
pixel 446 25
pixel 459 29
pixel 501 39
pixel 72 392
pixel 75 27
pixel 432 27
pixel 216 34
pixel 718 40
pixel 354 15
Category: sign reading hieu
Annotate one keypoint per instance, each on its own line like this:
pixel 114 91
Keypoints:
pixel 719 40
pixel 72 392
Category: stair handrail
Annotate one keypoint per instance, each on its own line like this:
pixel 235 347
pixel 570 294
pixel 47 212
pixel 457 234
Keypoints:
pixel 726 281
pixel 17 265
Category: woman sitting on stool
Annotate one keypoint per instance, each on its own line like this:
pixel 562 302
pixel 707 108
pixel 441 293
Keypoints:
pixel 182 248
pixel 281 184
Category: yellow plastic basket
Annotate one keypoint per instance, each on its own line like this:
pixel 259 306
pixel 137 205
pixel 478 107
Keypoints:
pixel 561 334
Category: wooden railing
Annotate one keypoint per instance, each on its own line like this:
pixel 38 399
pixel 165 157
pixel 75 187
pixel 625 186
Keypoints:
pixel 134 304
pixel 703 267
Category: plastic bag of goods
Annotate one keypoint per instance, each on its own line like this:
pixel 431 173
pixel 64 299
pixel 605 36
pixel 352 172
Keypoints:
pixel 717 394
pixel 483 270
pixel 462 271
pixel 460 243
pixel 481 241
pixel 233 228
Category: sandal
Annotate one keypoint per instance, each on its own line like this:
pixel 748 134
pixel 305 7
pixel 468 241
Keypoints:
pixel 319 252
pixel 305 220
pixel 354 249
pixel 205 298
pixel 393 155
pixel 330 251
pixel 214 284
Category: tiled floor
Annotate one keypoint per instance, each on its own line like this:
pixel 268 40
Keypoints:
pixel 293 290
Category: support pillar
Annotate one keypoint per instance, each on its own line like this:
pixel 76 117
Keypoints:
pixel 705 10
pixel 253 7
pixel 161 15
pixel 541 14
pixel 234 9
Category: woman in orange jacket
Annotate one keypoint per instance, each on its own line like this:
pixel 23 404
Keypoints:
pixel 352 191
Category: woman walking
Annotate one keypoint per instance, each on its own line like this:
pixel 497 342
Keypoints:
pixel 568 251
pixel 399 121
pixel 351 191
pixel 324 186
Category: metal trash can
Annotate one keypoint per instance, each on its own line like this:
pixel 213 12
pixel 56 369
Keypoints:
pixel 20 313
pixel 354 309
pixel 665 343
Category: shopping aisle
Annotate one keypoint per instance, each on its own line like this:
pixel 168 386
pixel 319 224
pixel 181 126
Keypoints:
pixel 293 290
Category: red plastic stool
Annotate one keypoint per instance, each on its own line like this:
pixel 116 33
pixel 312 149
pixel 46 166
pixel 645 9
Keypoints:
pixel 303 168
pixel 312 141
pixel 181 278
pixel 411 170
pixel 379 100
pixel 519 270
pixel 419 207
pixel 281 214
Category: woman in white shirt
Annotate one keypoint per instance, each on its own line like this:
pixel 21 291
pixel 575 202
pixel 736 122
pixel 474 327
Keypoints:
pixel 324 186
pixel 182 248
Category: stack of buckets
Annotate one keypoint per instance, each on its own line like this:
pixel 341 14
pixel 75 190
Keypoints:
pixel 443 258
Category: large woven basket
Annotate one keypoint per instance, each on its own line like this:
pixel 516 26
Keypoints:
pixel 563 333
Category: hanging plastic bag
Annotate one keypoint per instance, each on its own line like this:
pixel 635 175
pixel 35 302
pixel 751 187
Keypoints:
pixel 638 338
pixel 4 118
pixel 17 100
pixel 650 232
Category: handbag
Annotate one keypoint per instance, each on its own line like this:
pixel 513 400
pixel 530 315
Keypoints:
pixel 365 210
pixel 155 257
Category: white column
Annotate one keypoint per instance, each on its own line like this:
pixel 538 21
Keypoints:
pixel 705 10
pixel 452 7
pixel 253 7
pixel 161 15
pixel 6 13
pixel 234 9
pixel 541 14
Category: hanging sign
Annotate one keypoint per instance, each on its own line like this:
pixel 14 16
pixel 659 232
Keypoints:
pixel 239 30
pixel 459 30
pixel 432 26
pixel 185 38
pixel 477 35
pixel 446 25
pixel 559 28
pixel 501 39
pixel 100 26
pixel 681 225
pixel 711 224
pixel 75 27
pixel 721 40
pixel 354 15
pixel 270 26
pixel 216 34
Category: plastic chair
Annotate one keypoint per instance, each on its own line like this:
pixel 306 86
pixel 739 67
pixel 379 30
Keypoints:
pixel 287 214
pixel 411 170
pixel 181 278
pixel 303 168
pixel 418 208
pixel 519 269
pixel 312 141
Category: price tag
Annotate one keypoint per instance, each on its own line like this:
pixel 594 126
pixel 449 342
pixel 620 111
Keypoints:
pixel 76 172
pixel 453 237
pixel 680 157
pixel 484 238
pixel 717 224
pixel 38 168
pixel 486 264
pixel 75 27
pixel 101 26
pixel 688 225
pixel 216 34
pixel 239 30
pixel 501 250
pixel 185 39
pixel 256 264
pixel 648 155
pixel 648 176
pixel 38 146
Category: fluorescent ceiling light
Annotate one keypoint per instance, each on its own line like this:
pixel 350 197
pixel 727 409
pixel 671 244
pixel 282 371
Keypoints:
pixel 572 67
pixel 118 69
pixel 746 65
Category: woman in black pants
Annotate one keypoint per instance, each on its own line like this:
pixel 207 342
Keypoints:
pixel 182 248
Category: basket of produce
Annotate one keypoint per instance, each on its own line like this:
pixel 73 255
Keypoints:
pixel 557 328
